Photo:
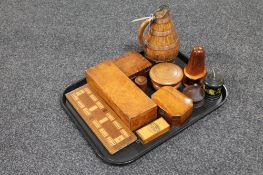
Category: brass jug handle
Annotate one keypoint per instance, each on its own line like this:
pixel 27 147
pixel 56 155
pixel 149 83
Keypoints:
pixel 141 29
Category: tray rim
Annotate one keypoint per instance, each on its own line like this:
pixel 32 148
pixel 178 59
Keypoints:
pixel 113 162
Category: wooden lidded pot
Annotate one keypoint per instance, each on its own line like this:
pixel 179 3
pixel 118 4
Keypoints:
pixel 166 74
pixel 161 43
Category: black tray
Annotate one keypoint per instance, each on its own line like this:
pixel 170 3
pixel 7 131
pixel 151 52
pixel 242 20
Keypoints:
pixel 137 149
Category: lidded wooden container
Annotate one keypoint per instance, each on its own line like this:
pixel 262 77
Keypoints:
pixel 173 105
pixel 166 74
pixel 161 43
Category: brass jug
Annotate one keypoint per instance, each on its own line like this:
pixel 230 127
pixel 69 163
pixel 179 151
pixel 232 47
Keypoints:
pixel 161 43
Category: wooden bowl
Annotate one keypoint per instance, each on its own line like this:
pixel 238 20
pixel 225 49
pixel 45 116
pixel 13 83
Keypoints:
pixel 166 74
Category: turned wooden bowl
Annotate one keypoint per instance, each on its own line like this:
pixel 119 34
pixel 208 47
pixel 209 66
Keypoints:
pixel 166 74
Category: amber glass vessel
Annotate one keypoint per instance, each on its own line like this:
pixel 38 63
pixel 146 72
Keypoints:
pixel 195 70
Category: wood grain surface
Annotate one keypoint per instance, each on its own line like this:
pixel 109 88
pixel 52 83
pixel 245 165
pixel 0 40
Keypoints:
pixel 133 106
pixel 177 107
pixel 153 130
pixel 101 119
pixel 132 64
pixel 166 74
pixel 161 43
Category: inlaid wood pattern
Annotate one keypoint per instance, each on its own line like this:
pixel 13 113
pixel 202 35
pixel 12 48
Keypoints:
pixel 101 119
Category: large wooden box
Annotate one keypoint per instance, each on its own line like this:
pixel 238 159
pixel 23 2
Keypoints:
pixel 132 105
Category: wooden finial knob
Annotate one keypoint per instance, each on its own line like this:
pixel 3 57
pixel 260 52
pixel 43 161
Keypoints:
pixel 141 82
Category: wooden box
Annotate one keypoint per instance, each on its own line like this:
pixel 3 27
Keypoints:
pixel 132 105
pixel 133 64
pixel 153 130
pixel 174 106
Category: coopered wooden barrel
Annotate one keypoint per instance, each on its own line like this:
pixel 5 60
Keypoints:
pixel 161 43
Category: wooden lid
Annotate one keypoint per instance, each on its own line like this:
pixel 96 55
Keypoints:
pixel 131 63
pixel 166 74
pixel 172 101
pixel 140 80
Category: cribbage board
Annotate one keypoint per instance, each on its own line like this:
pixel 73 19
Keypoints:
pixel 102 120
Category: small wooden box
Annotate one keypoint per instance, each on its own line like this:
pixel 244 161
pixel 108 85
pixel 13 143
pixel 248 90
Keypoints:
pixel 174 106
pixel 133 64
pixel 153 130
pixel 132 105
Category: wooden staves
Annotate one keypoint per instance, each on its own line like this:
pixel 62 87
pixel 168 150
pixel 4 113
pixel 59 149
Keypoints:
pixel 101 119
pixel 161 43
pixel 131 104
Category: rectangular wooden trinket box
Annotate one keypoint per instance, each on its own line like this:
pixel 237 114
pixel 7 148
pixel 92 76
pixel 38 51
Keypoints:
pixel 133 64
pixel 131 104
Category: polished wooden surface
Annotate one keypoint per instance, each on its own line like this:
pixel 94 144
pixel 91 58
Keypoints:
pixel 133 106
pixel 132 64
pixel 196 69
pixel 177 107
pixel 161 43
pixel 101 119
pixel 153 130
pixel 141 82
pixel 195 92
pixel 166 74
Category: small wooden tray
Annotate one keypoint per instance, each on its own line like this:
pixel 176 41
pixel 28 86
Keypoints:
pixel 137 149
